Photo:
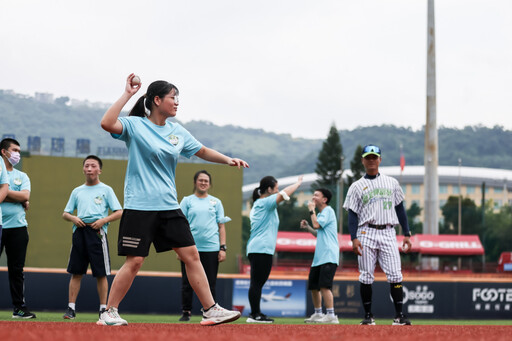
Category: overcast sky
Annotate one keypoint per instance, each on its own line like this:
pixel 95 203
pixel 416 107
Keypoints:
pixel 291 66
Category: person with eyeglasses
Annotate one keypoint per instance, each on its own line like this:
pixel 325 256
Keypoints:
pixel 205 214
pixel 152 214
pixel 375 205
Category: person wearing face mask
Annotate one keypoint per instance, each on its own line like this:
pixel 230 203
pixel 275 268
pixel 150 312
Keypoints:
pixel 14 225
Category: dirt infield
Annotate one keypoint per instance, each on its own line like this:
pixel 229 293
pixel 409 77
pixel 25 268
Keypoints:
pixel 76 331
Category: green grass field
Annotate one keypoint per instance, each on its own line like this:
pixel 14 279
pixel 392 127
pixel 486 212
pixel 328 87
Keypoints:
pixel 46 316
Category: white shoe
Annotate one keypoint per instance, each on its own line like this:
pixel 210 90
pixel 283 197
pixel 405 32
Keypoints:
pixel 111 317
pixel 314 318
pixel 217 314
pixel 332 319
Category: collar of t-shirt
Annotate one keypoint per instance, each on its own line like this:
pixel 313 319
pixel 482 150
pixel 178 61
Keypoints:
pixel 371 177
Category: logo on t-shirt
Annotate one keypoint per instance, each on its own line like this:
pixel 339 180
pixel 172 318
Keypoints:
pixel 174 140
pixel 17 181
pixel 213 202
pixel 98 200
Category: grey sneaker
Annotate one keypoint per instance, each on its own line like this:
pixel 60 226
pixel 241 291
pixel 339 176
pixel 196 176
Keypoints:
pixel 331 319
pixel 368 320
pixel 314 318
pixel 111 318
pixel 401 320
pixel 217 315
pixel 69 314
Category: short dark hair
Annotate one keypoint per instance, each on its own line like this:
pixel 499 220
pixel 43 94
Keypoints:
pixel 326 193
pixel 6 143
pixel 94 157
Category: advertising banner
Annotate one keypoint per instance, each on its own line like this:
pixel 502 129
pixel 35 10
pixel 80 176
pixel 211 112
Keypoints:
pixel 280 297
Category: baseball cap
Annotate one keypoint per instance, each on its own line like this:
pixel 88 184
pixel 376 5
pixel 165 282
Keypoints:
pixel 371 150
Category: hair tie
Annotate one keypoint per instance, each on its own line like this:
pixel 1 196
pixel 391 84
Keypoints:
pixel 146 110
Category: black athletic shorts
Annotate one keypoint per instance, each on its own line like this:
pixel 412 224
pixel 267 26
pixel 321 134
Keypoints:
pixel 89 246
pixel 321 276
pixel 165 229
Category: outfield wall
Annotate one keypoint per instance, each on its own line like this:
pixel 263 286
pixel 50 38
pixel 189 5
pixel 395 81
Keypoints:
pixel 53 179
pixel 159 293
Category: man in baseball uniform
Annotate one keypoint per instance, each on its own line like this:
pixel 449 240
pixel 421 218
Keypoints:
pixel 375 205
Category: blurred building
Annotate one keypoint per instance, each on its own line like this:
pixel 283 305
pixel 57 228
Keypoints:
pixel 498 185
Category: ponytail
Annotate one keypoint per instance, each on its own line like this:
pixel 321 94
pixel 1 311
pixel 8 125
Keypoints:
pixel 138 108
pixel 265 183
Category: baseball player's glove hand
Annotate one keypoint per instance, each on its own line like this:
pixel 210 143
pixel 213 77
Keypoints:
pixel 357 247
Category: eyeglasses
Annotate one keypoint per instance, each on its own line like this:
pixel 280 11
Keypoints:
pixel 371 149
pixel 176 99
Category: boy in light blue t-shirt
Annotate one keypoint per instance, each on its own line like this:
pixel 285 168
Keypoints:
pixel 91 201
pixel 326 258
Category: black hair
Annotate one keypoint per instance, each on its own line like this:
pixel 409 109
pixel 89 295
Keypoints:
pixel 156 89
pixel 94 157
pixel 326 193
pixel 265 183
pixel 6 143
pixel 197 176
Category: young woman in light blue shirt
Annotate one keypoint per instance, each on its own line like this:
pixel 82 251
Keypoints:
pixel 151 213
pixel 262 241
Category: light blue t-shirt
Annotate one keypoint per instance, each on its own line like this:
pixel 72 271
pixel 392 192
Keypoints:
pixel 327 247
pixel 4 179
pixel 13 213
pixel 92 203
pixel 153 153
pixel 204 216
pixel 264 225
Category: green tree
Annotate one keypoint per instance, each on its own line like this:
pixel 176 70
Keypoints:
pixel 413 212
pixel 290 215
pixel 496 234
pixel 471 217
pixel 356 166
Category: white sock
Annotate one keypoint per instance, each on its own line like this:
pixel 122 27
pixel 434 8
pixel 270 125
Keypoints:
pixel 318 310
pixel 330 311
pixel 72 305
pixel 103 306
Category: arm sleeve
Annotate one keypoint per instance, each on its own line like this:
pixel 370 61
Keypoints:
pixel 353 222
pixel 221 219
pixel 71 205
pixel 402 218
pixel 25 185
pixel 127 128
pixel 113 203
pixel 191 145
pixel 184 206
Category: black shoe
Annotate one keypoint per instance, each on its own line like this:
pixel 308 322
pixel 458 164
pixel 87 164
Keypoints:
pixel 401 320
pixel 22 313
pixel 69 314
pixel 185 316
pixel 102 310
pixel 259 318
pixel 368 320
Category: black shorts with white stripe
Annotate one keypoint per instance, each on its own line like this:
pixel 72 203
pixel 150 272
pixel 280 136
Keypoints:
pixel 165 229
pixel 89 246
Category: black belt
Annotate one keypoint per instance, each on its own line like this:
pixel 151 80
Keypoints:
pixel 378 227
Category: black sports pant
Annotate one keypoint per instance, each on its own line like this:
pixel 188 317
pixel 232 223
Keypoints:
pixel 15 241
pixel 261 264
pixel 210 262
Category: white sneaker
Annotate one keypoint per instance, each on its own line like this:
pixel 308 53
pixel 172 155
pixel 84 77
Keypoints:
pixel 217 314
pixel 314 318
pixel 332 319
pixel 111 317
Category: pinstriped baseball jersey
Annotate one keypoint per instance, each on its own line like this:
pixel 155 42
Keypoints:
pixel 374 200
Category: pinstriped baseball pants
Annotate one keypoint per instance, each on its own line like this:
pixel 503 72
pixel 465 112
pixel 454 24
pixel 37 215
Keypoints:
pixel 381 246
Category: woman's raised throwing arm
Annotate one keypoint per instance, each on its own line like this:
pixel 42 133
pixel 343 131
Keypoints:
pixel 109 122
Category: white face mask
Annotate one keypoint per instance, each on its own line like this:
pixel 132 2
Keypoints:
pixel 15 158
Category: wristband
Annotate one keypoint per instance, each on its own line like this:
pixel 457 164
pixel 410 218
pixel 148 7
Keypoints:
pixel 311 212
pixel 223 248
pixel 285 196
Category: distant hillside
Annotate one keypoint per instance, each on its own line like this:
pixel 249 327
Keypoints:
pixel 268 153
